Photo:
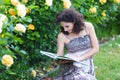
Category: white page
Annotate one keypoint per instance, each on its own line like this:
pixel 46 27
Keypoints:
pixel 49 54
pixel 54 56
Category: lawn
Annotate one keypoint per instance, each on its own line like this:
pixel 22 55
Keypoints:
pixel 107 61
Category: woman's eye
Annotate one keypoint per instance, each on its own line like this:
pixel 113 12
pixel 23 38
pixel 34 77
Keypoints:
pixel 66 26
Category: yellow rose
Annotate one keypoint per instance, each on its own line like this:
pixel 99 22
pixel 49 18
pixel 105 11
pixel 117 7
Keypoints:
pixel 34 73
pixel 15 2
pixel 11 12
pixel 48 2
pixel 31 27
pixel 93 10
pixel 2 35
pixel 102 1
pixel 49 69
pixel 19 27
pixel 21 10
pixel 116 1
pixel 103 14
pixel 7 60
pixel 66 4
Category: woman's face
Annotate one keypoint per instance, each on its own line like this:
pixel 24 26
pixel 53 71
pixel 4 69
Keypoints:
pixel 68 26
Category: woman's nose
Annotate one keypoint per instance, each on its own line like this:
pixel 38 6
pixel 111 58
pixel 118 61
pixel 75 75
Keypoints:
pixel 65 29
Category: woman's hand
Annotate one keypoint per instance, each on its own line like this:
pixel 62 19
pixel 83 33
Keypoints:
pixel 59 54
pixel 76 58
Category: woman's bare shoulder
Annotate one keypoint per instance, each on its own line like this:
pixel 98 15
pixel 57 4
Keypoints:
pixel 89 25
pixel 61 35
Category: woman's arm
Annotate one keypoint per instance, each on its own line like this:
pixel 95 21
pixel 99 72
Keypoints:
pixel 60 44
pixel 94 42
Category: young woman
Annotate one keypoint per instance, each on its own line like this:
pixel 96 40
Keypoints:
pixel 81 43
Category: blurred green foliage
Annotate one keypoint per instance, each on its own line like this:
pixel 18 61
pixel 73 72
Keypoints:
pixel 25 47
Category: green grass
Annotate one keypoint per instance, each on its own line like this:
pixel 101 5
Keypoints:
pixel 107 61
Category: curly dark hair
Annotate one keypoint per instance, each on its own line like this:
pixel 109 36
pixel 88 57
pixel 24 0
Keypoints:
pixel 71 15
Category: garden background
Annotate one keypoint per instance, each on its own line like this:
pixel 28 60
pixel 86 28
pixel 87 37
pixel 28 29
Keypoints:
pixel 28 26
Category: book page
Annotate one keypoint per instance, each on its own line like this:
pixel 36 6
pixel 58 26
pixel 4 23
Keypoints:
pixel 54 56
pixel 49 54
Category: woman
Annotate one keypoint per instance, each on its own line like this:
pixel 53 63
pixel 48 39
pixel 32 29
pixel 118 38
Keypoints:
pixel 81 43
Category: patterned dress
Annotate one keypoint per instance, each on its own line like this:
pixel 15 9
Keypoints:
pixel 83 70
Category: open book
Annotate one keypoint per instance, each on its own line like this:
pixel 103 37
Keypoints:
pixel 55 56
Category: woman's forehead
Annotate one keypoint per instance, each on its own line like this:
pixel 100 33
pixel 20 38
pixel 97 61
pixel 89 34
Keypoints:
pixel 65 23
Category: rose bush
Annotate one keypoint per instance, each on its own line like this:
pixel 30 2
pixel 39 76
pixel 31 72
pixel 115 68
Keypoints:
pixel 27 26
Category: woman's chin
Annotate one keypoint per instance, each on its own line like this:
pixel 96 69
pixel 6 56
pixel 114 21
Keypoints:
pixel 69 32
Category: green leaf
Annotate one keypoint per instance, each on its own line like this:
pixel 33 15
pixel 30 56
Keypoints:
pixel 23 52
pixel 28 19
pixel 33 7
pixel 16 48
pixel 11 72
pixel 2 41
pixel 37 34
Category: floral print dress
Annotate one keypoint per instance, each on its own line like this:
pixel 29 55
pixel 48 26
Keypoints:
pixel 83 70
